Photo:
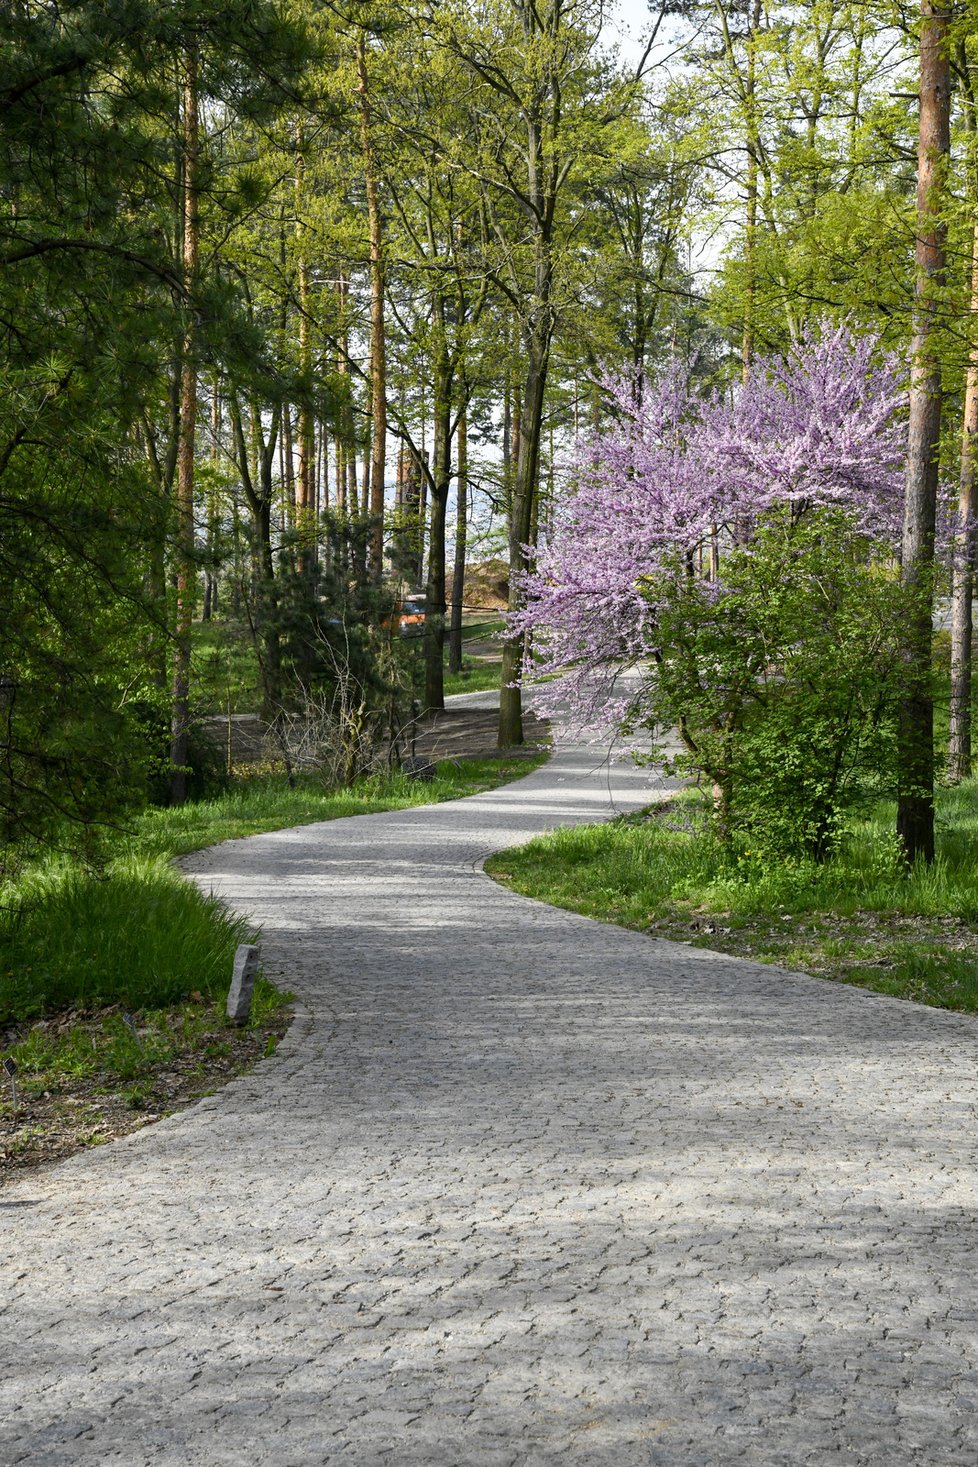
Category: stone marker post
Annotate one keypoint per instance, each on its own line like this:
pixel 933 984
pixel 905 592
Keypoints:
pixel 242 983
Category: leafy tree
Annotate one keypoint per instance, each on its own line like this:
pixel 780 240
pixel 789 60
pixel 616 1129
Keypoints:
pixel 778 670
pixel 549 115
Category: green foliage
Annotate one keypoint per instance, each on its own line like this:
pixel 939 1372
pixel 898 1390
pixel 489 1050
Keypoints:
pixel 73 745
pixel 226 674
pixel 92 303
pixel 784 683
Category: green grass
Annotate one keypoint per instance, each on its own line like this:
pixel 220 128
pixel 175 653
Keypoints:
pixel 267 803
pixel 108 1050
pixel 139 935
pixel 133 931
pixel 475 677
pixel 858 918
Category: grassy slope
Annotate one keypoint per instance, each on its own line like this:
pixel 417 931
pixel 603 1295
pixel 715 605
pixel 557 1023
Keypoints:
pixel 857 919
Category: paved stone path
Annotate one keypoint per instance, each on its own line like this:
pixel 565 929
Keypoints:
pixel 517 1189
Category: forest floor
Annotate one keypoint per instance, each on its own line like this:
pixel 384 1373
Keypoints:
pixel 64 1107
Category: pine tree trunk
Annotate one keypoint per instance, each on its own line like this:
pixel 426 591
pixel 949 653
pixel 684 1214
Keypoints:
pixel 963 568
pixel 461 537
pixel 186 569
pixel 915 806
pixel 290 488
pixel 209 608
pixel 342 371
pixel 374 501
pixel 441 473
pixel 305 493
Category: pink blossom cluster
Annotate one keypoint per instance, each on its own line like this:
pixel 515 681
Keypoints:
pixel 821 427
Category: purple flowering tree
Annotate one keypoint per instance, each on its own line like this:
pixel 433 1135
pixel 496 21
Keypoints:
pixel 739 553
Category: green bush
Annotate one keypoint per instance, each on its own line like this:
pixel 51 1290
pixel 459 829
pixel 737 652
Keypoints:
pixel 784 682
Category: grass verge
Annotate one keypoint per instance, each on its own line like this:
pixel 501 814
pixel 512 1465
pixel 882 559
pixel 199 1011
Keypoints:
pixel 856 919
pixel 261 802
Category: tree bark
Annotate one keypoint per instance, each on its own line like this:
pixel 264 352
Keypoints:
pixel 461 537
pixel 521 517
pixel 537 336
pixel 378 345
pixel 963 565
pixel 915 805
pixel 258 493
pixel 305 491
pixel 440 481
pixel 342 370
pixel 186 569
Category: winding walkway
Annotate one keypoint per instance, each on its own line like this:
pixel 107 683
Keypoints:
pixel 517 1189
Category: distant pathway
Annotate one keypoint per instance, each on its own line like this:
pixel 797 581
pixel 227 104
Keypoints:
pixel 518 1189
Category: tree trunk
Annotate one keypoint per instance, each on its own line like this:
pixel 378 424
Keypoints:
pixel 209 609
pixel 342 371
pixel 963 567
pixel 441 473
pixel 305 492
pixel 520 523
pixel 750 232
pixel 915 807
pixel 378 345
pixel 258 493
pixel 461 536
pixel 186 569
pixel 290 487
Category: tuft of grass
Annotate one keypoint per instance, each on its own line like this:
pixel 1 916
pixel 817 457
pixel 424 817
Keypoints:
pixel 859 917
pixel 138 935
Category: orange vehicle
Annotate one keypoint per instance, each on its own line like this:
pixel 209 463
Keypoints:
pixel 411 614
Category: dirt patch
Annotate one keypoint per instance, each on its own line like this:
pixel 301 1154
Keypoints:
pixel 68 1105
pixel 487 585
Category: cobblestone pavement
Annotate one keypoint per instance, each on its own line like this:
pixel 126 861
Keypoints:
pixel 518 1189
